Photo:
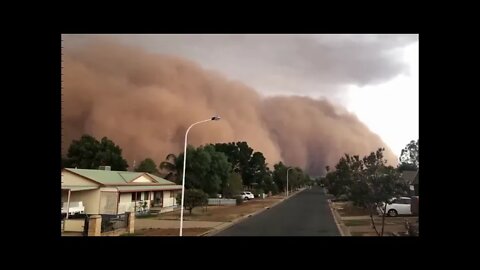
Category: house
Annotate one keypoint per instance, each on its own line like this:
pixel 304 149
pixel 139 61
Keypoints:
pixel 115 192
pixel 411 178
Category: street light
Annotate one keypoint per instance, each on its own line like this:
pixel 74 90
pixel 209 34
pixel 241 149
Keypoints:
pixel 214 118
pixel 287 179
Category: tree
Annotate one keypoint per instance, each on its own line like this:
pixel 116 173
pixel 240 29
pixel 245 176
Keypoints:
pixel 169 167
pixel 257 170
pixel 218 172
pixel 251 165
pixel 367 182
pixel 279 176
pixel 207 169
pixel 409 156
pixel 193 198
pixel 148 166
pixel 340 180
pixel 234 186
pixel 88 153
pixel 64 162
pixel 268 184
pixel 406 167
pixel 232 151
pixel 375 183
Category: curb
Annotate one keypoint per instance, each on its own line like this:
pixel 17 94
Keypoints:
pixel 344 231
pixel 226 225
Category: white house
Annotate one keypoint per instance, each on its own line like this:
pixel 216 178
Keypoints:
pixel 117 192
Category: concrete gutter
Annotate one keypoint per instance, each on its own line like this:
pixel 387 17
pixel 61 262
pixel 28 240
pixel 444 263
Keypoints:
pixel 344 231
pixel 227 225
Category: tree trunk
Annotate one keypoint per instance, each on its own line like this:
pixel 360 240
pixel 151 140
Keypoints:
pixel 383 217
pixel 373 222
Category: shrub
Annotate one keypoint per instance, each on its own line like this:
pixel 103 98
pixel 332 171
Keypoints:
pixel 259 192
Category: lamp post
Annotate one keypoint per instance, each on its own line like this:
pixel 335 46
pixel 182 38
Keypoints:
pixel 287 179
pixel 214 118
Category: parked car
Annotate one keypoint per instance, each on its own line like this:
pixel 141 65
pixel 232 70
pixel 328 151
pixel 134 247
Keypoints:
pixel 247 195
pixel 396 206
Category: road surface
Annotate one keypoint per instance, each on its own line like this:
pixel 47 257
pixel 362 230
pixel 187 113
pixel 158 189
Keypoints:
pixel 305 214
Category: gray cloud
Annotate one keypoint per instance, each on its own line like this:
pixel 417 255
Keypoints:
pixel 313 65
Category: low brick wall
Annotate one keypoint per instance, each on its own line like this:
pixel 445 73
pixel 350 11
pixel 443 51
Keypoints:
pixel 74 225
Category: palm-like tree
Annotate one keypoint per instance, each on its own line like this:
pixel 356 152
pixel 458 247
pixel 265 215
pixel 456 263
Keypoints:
pixel 169 165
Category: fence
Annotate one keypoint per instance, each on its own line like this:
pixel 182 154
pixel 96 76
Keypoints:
pixel 214 201
pixel 113 222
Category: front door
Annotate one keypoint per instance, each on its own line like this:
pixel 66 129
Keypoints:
pixel 158 198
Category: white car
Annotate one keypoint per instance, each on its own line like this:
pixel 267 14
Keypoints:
pixel 247 195
pixel 396 206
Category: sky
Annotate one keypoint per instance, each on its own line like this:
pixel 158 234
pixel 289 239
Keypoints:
pixel 372 76
pixel 397 98
pixel 321 79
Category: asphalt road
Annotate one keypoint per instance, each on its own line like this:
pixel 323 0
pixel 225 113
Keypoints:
pixel 305 214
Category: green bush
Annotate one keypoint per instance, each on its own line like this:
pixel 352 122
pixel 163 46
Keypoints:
pixel 193 198
pixel 258 192
pixel 274 189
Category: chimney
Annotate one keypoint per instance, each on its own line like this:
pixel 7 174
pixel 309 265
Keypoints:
pixel 105 168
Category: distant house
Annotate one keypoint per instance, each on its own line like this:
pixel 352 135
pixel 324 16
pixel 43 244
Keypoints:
pixel 117 192
pixel 411 178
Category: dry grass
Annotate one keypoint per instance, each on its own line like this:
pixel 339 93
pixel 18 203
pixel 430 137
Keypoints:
pixel 348 209
pixel 222 213
pixel 364 234
pixel 357 222
pixel 392 225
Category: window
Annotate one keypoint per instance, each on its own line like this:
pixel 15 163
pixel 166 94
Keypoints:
pixel 404 201
pixel 136 196
pixel 172 194
pixel 145 196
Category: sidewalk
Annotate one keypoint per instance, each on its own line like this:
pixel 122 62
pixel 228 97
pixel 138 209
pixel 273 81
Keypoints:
pixel 172 224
